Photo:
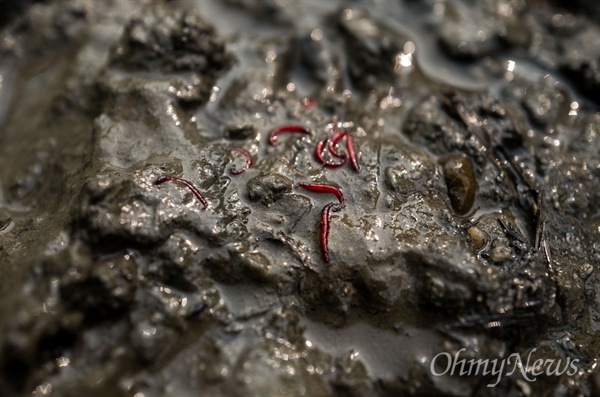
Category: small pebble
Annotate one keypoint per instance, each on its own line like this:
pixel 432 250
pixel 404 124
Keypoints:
pixel 499 252
pixel 461 183
pixel 479 237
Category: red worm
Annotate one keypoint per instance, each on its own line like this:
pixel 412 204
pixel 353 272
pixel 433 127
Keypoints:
pixel 352 153
pixel 195 192
pixel 323 188
pixel 325 229
pixel 319 149
pixel 284 129
pixel 248 161
pixel 333 141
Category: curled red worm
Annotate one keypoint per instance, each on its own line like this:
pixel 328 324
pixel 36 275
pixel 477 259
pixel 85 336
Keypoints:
pixel 248 164
pixel 319 149
pixel 195 192
pixel 333 141
pixel 325 229
pixel 352 153
pixel 286 128
pixel 323 188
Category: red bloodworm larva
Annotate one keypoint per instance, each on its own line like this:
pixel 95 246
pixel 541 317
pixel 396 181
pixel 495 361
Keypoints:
pixel 323 188
pixel 319 150
pixel 332 164
pixel 319 155
pixel 248 164
pixel 352 153
pixel 286 128
pixel 195 192
pixel 333 141
pixel 325 229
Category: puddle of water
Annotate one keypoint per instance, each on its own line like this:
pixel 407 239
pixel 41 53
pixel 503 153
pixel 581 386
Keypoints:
pixel 385 353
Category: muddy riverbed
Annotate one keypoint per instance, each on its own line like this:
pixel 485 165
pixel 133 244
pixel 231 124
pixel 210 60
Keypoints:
pixel 156 238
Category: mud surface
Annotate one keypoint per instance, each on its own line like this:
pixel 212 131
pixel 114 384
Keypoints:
pixel 471 218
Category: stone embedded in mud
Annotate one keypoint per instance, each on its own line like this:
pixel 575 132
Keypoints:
pixel 268 188
pixel 479 237
pixel 499 252
pixel 461 182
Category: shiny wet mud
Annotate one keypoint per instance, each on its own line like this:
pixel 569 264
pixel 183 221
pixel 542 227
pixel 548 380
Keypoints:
pixel 471 219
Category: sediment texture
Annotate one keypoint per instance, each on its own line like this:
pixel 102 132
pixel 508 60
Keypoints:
pixel 473 222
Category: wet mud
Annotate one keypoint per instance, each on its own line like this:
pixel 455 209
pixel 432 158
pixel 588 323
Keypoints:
pixel 157 238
